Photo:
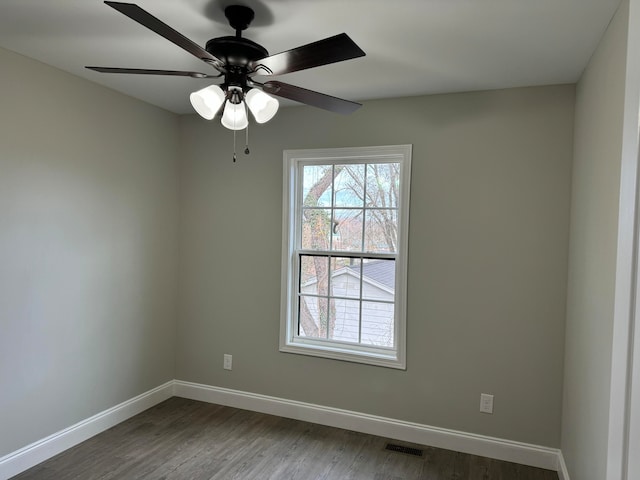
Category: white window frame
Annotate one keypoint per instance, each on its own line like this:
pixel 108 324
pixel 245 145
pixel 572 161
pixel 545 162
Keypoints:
pixel 289 341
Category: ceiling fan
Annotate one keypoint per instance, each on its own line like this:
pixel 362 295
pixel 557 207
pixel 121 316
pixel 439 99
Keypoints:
pixel 236 60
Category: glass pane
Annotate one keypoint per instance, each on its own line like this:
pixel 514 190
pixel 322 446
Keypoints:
pixel 377 324
pixel 313 275
pixel 347 230
pixel 345 277
pixel 316 185
pixel 379 280
pixel 345 320
pixel 316 228
pixel 381 231
pixel 383 185
pixel 349 186
pixel 313 316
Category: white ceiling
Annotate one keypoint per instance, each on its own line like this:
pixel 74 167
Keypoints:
pixel 413 47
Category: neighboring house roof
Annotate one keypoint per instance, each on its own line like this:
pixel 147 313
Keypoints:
pixel 381 271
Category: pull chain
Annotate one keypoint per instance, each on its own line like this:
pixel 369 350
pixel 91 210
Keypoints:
pixel 246 149
pixel 246 146
pixel 234 146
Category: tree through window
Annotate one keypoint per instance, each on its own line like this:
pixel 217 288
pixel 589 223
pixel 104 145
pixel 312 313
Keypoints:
pixel 344 270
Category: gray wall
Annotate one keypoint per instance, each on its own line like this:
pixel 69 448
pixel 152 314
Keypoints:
pixel 592 261
pixel 88 253
pixel 487 260
pixel 88 249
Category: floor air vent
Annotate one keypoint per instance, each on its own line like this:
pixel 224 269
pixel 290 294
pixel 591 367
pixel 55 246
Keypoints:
pixel 416 452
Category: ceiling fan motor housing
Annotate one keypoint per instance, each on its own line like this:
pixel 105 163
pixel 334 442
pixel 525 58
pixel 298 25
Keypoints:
pixel 236 53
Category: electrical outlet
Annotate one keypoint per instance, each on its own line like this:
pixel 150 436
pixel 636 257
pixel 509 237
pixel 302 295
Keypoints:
pixel 486 403
pixel 228 359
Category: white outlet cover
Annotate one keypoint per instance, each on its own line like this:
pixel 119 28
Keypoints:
pixel 486 403
pixel 228 359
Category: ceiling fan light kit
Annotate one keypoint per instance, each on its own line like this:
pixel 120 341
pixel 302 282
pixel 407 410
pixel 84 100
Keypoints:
pixel 234 116
pixel 207 101
pixel 237 60
pixel 264 107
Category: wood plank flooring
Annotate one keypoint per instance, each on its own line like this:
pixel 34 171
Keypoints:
pixel 186 439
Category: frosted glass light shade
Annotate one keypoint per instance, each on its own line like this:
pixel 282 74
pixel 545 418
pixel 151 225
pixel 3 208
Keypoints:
pixel 234 116
pixel 207 101
pixel 262 105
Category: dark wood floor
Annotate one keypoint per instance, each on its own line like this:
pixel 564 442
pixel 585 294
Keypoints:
pixel 185 439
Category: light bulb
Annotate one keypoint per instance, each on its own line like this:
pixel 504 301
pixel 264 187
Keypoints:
pixel 207 101
pixel 234 116
pixel 263 106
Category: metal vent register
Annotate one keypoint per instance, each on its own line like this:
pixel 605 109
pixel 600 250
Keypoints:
pixel 416 452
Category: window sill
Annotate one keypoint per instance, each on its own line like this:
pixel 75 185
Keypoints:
pixel 336 353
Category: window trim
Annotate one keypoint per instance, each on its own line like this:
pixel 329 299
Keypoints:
pixel 307 346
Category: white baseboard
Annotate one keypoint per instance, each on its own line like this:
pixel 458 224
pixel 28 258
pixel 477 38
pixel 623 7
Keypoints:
pixel 563 473
pixel 525 454
pixel 500 449
pixel 39 451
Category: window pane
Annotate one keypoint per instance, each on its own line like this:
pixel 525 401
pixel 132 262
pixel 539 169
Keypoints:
pixel 316 185
pixel 345 277
pixel 379 280
pixel 381 231
pixel 347 230
pixel 313 316
pixel 345 316
pixel 377 324
pixel 383 185
pixel 313 275
pixel 349 186
pixel 316 228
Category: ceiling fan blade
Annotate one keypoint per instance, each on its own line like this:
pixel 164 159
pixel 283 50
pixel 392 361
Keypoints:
pixel 144 71
pixel 309 97
pixel 323 52
pixel 144 18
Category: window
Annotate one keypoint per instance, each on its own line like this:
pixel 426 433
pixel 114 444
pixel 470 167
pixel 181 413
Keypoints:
pixel 344 259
